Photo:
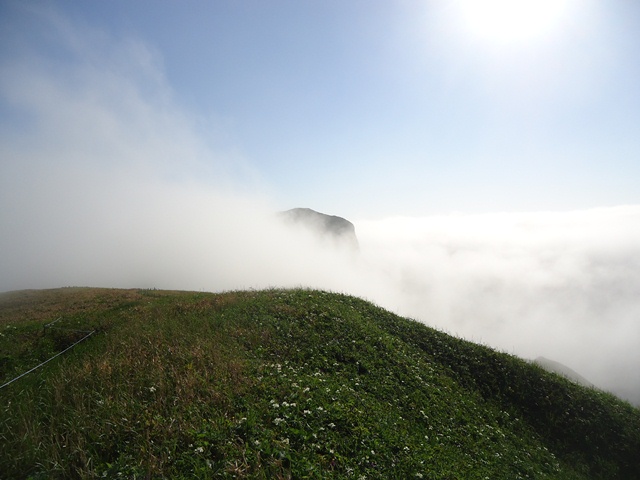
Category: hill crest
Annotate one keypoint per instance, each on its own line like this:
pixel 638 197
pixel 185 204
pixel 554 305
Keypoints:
pixel 285 384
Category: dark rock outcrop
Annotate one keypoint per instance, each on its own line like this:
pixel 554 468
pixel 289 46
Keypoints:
pixel 331 227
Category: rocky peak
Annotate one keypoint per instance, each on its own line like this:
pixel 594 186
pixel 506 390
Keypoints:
pixel 327 226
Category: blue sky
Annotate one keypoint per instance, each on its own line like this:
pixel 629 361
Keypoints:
pixel 372 109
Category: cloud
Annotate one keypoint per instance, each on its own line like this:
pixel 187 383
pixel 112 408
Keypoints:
pixel 106 181
pixel 560 285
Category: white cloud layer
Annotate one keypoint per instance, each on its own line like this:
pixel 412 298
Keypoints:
pixel 560 285
pixel 104 181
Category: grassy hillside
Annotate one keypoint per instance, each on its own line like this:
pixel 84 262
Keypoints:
pixel 283 384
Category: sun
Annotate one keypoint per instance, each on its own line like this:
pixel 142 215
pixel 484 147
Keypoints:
pixel 511 21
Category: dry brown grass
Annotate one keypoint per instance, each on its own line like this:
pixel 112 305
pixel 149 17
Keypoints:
pixel 42 306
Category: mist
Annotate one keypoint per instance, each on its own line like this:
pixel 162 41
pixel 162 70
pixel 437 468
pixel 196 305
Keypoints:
pixel 559 285
pixel 108 182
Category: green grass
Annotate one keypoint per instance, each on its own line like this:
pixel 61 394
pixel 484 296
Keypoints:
pixel 284 384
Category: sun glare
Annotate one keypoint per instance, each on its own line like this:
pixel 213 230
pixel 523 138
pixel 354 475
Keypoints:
pixel 511 21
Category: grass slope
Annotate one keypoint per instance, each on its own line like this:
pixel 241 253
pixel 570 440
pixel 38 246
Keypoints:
pixel 283 384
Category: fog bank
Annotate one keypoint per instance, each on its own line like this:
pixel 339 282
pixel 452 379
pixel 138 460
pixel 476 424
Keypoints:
pixel 560 285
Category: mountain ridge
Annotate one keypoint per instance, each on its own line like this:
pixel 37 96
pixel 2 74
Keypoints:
pixel 561 369
pixel 284 384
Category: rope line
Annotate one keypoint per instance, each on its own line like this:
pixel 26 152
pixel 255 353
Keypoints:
pixel 47 361
pixel 51 323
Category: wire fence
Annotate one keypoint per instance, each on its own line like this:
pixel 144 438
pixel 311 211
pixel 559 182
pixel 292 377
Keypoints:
pixel 49 326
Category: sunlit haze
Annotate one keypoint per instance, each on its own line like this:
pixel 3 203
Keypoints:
pixel 489 159
pixel 509 21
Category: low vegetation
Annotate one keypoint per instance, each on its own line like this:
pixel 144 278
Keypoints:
pixel 282 384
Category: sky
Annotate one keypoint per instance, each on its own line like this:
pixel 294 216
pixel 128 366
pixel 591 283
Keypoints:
pixel 488 158
pixel 373 109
